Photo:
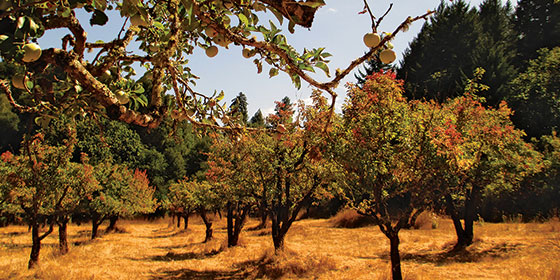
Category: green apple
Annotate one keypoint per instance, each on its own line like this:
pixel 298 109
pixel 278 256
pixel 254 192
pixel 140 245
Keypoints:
pixel 18 81
pixel 211 32
pixel 122 96
pixel 212 51
pixel 387 56
pixel 372 40
pixel 247 53
pixel 32 52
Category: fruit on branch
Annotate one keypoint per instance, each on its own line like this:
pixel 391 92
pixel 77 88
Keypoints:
pixel 32 52
pixel 247 53
pixel 153 47
pixel 122 96
pixel 18 81
pixel 387 56
pixel 221 41
pixel 372 40
pixel 211 32
pixel 212 51
pixel 137 20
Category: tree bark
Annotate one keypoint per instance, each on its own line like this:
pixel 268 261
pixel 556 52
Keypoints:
pixel 277 235
pixel 96 221
pixel 35 247
pixel 459 230
pixel 63 235
pixel 186 220
pixel 396 271
pixel 178 220
pixel 235 221
pixel 208 225
pixel 112 224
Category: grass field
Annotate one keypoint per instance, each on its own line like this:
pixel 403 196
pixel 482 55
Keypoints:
pixel 315 250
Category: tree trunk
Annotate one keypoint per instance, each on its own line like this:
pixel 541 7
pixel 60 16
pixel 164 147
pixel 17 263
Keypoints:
pixel 63 235
pixel 235 222
pixel 395 257
pixel 208 225
pixel 277 235
pixel 178 220
pixel 186 220
pixel 35 247
pixel 112 224
pixel 96 221
pixel 229 219
pixel 470 213
pixel 459 230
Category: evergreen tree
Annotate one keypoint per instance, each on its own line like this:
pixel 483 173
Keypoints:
pixel 537 23
pixel 371 66
pixel 536 103
pixel 239 108
pixel 257 120
pixel 443 55
pixel 497 52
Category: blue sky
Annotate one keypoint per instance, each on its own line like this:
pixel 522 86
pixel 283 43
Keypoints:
pixel 337 26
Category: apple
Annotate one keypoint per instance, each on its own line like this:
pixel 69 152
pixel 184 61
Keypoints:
pixel 153 48
pixel 247 53
pixel 18 81
pixel 137 20
pixel 212 51
pixel 222 41
pixel 387 56
pixel 32 52
pixel 372 40
pixel 211 32
pixel 122 96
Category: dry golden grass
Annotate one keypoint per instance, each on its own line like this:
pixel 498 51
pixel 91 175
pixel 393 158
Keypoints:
pixel 315 250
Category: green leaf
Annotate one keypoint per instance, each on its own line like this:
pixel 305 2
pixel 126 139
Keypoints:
pixel 323 66
pixel 98 18
pixel 159 25
pixel 243 19
pixel 273 72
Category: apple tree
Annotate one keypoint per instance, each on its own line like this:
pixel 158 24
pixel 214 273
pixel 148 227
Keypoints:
pixel 50 81
pixel 230 165
pixel 382 144
pixel 123 193
pixel 196 196
pixel 45 186
pixel 483 153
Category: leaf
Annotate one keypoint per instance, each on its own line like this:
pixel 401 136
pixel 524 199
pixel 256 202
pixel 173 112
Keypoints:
pixel 312 4
pixel 243 19
pixel 291 26
pixel 323 66
pixel 98 18
pixel 273 72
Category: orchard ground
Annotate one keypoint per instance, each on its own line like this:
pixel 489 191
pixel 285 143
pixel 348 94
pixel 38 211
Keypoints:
pixel 315 249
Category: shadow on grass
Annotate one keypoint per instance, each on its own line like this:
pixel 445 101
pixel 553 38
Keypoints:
pixel 255 269
pixel 171 256
pixel 466 255
pixel 8 245
pixel 204 275
pixel 14 233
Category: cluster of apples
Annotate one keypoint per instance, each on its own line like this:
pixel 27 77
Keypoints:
pixel 31 52
pixel 387 55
